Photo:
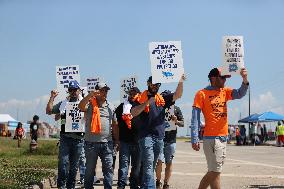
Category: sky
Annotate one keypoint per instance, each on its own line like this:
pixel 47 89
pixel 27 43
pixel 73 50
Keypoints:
pixel 110 39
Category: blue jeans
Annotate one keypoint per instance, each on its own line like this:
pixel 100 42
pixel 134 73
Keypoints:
pixel 150 148
pixel 104 150
pixel 129 151
pixel 68 161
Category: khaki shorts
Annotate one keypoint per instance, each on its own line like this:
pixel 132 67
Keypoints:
pixel 215 153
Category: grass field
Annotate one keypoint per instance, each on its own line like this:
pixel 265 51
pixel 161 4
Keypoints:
pixel 20 168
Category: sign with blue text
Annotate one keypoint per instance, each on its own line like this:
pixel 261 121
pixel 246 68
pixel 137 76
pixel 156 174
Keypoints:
pixel 166 61
pixel 65 74
pixel 74 118
pixel 233 55
pixel 126 84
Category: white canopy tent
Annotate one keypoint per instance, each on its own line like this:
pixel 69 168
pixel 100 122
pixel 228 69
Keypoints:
pixel 5 118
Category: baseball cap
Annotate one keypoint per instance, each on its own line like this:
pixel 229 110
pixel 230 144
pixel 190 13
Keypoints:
pixel 216 72
pixel 150 80
pixel 135 89
pixel 74 85
pixel 166 92
pixel 101 85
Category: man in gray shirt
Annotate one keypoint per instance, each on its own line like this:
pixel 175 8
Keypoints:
pixel 100 125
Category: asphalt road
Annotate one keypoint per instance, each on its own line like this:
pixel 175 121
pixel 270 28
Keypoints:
pixel 260 167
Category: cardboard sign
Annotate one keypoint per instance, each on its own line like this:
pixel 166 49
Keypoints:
pixel 233 55
pixel 170 125
pixel 166 61
pixel 65 74
pixel 125 85
pixel 74 118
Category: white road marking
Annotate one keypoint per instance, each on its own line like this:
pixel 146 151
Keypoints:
pixel 231 175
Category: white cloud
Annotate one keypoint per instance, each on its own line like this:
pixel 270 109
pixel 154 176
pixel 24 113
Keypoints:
pixel 262 103
pixel 24 110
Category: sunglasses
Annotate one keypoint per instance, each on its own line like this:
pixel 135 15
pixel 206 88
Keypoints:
pixel 72 90
pixel 156 84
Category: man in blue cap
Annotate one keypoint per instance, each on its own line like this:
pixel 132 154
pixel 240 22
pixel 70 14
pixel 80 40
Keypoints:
pixel 71 143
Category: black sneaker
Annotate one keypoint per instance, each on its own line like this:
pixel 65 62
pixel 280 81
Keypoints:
pixel 158 184
pixel 166 186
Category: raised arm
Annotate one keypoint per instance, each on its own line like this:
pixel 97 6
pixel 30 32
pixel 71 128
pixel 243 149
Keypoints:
pixel 135 111
pixel 179 89
pixel 83 103
pixel 49 105
pixel 239 93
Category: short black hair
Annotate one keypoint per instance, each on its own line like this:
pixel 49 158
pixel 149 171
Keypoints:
pixel 35 118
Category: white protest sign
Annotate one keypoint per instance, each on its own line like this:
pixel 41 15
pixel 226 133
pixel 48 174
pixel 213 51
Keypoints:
pixel 125 85
pixel 170 125
pixel 91 83
pixel 65 74
pixel 233 55
pixel 166 61
pixel 74 118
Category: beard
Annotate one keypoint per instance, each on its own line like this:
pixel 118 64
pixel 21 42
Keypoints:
pixel 151 91
pixel 73 98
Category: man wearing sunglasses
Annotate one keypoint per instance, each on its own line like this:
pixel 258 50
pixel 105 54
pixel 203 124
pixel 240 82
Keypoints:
pixel 100 126
pixel 212 101
pixel 71 143
pixel 150 107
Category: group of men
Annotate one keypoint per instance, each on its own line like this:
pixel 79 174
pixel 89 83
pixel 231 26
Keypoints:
pixel 137 129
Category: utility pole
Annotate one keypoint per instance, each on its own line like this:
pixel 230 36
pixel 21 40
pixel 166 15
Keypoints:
pixel 249 98
pixel 249 110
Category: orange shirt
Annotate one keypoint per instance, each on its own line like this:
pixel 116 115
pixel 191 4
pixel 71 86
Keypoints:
pixel 213 104
pixel 19 131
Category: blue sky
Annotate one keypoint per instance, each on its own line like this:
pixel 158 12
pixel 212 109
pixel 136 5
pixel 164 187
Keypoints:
pixel 110 39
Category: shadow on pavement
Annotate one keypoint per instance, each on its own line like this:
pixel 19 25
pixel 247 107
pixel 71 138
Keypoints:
pixel 264 186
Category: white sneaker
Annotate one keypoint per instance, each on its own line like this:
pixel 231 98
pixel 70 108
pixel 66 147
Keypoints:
pixel 96 180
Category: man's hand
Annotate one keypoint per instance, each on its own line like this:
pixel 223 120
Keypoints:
pixel 53 94
pixel 183 78
pixel 244 75
pixel 196 146
pixel 174 118
pixel 93 94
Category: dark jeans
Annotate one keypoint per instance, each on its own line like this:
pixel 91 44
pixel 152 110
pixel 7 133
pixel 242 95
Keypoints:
pixel 104 150
pixel 34 136
pixel 129 152
pixel 68 161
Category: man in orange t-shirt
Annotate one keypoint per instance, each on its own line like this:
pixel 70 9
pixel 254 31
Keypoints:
pixel 212 101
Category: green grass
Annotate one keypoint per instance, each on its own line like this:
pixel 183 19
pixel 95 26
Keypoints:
pixel 19 167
